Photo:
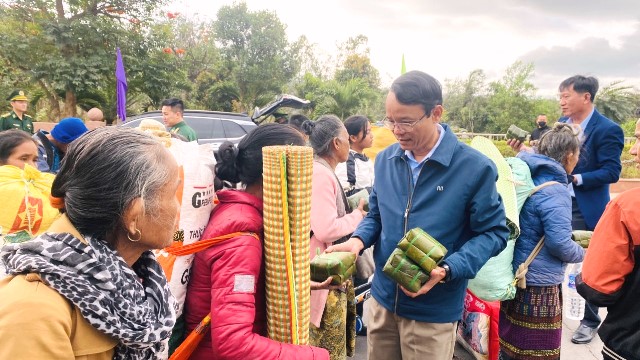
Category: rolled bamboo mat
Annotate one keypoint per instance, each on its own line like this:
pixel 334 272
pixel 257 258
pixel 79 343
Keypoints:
pixel 287 172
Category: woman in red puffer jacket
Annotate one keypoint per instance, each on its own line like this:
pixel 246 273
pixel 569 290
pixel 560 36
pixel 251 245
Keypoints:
pixel 227 280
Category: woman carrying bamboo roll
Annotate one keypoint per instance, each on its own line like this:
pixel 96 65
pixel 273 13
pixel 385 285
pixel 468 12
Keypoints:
pixel 228 279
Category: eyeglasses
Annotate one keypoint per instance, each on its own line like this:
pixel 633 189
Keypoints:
pixel 403 126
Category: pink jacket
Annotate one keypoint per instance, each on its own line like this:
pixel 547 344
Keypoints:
pixel 228 281
pixel 326 225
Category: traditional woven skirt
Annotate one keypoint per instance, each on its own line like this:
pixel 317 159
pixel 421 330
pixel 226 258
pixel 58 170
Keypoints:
pixel 531 324
pixel 337 331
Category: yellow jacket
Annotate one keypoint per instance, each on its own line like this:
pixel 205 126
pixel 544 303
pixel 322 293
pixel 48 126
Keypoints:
pixel 36 322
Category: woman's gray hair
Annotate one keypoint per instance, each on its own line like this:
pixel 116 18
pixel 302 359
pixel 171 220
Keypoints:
pixel 557 143
pixel 322 132
pixel 103 172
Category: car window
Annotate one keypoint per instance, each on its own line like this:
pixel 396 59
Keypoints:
pixel 217 130
pixel 233 130
pixel 202 126
pixel 248 126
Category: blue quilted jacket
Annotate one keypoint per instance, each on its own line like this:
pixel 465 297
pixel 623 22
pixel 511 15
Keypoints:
pixel 547 212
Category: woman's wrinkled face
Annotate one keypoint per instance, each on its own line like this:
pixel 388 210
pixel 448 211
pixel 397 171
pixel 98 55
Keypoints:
pixel 572 161
pixel 159 224
pixel 25 153
pixel 342 148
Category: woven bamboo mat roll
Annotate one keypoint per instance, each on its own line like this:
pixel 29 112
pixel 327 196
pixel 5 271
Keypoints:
pixel 287 172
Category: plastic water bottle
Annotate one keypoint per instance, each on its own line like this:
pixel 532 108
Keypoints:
pixel 573 302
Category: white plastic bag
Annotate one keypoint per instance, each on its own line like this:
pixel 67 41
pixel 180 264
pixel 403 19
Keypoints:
pixel 196 195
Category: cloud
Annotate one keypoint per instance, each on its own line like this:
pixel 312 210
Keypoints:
pixel 586 9
pixel 594 56
pixel 451 38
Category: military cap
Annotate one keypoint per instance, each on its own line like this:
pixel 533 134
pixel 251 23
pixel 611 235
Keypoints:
pixel 17 95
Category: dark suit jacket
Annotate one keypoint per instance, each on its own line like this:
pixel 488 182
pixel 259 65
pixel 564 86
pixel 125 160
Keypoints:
pixel 599 166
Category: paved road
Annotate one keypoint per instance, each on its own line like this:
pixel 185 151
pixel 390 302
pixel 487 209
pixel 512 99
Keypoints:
pixel 570 351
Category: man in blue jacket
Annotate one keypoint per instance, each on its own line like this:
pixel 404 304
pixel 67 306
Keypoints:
pixel 432 181
pixel 599 166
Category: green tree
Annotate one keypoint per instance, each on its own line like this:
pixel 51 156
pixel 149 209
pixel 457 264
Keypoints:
pixel 547 107
pixel 68 47
pixel 511 99
pixel 617 101
pixel 356 63
pixel 465 102
pixel 254 46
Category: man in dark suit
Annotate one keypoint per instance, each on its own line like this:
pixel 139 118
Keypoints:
pixel 599 165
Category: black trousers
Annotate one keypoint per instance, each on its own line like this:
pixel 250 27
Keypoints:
pixel 591 317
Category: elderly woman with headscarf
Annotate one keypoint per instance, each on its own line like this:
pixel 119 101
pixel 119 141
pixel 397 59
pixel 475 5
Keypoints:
pixel 90 287
pixel 331 221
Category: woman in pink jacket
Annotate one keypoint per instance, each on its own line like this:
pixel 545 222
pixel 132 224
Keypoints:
pixel 331 221
pixel 227 280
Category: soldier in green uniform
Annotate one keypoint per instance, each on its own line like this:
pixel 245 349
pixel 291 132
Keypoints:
pixel 17 119
pixel 172 111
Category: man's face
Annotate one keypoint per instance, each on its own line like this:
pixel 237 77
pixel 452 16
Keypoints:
pixel 573 103
pixel 170 117
pixel 542 120
pixel 414 137
pixel 635 149
pixel 19 105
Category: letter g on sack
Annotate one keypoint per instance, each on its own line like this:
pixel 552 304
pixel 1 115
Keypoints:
pixel 195 200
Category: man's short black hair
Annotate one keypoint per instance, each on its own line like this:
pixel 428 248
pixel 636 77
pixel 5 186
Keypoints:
pixel 296 121
pixel 418 88
pixel 176 104
pixel 581 84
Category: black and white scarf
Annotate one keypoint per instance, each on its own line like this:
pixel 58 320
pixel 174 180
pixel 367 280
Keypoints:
pixel 133 305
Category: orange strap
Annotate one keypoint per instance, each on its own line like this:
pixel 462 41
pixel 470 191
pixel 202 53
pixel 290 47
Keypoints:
pixel 179 250
pixel 189 345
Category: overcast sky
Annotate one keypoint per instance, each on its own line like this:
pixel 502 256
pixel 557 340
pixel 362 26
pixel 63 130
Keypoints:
pixel 450 38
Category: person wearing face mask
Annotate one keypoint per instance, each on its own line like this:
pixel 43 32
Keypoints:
pixel 541 128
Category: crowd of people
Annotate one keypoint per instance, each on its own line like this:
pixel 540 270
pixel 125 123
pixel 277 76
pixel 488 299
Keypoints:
pixel 90 286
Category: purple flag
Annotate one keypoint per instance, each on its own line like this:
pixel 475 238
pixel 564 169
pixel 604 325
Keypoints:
pixel 121 88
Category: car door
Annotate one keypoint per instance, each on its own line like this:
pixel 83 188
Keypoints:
pixel 201 125
pixel 233 131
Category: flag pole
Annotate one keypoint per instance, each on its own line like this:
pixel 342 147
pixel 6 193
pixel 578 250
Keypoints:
pixel 403 69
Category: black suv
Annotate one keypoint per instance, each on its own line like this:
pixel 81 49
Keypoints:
pixel 216 127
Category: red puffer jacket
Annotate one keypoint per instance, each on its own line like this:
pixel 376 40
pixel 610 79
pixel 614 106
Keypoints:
pixel 228 281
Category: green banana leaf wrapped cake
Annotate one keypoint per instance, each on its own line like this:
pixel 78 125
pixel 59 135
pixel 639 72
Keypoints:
pixel 582 237
pixel 423 249
pixel 354 200
pixel 515 132
pixel 340 266
pixel 404 271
